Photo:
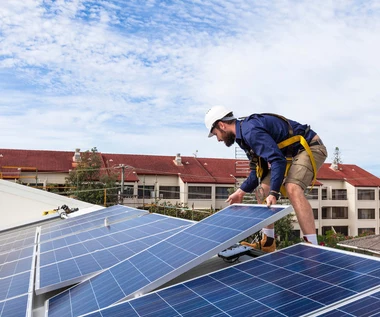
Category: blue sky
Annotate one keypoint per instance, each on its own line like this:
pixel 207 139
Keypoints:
pixel 137 77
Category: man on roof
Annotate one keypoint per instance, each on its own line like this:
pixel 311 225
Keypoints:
pixel 294 153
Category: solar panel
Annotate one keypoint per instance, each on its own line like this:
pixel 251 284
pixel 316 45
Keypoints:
pixel 361 306
pixel 17 254
pixel 165 260
pixel 302 280
pixel 99 249
pixel 88 221
pixel 15 307
pixel 20 238
pixel 16 282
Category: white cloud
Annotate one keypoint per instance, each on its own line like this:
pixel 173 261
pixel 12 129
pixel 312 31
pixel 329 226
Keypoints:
pixel 132 78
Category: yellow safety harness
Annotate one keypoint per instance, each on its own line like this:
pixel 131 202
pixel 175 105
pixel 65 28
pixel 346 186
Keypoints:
pixel 303 142
pixel 262 165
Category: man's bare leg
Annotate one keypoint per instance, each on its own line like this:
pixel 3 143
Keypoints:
pixel 265 191
pixel 303 211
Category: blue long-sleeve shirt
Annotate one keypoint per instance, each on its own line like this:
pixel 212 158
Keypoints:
pixel 261 133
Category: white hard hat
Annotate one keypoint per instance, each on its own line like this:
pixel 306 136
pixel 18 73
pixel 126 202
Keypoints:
pixel 214 114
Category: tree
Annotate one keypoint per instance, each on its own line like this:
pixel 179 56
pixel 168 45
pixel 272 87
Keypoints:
pixel 92 184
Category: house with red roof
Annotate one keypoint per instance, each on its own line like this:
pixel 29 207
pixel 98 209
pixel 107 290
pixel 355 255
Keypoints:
pixel 345 197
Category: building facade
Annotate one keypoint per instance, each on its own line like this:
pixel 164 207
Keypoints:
pixel 345 197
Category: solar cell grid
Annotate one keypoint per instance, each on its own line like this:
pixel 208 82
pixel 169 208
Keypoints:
pixel 17 240
pixel 266 286
pixel 87 221
pixel 15 307
pixel 15 267
pixel 16 255
pixel 169 258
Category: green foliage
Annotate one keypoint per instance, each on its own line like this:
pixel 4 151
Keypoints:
pixel 284 230
pixel 178 210
pixel 331 239
pixel 92 184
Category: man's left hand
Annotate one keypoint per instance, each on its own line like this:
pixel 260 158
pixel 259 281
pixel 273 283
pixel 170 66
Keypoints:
pixel 271 200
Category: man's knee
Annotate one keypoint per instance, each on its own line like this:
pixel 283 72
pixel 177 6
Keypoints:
pixel 293 189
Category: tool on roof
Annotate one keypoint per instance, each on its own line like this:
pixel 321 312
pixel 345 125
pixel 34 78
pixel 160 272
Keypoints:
pixel 63 211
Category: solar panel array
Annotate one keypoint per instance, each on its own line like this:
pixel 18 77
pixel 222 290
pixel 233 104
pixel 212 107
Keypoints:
pixel 167 259
pixel 68 260
pixel 18 253
pixel 296 281
pixel 17 239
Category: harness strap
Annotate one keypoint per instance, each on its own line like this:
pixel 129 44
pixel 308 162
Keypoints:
pixel 292 140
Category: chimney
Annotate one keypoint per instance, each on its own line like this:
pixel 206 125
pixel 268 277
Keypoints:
pixel 334 166
pixel 76 158
pixel 177 160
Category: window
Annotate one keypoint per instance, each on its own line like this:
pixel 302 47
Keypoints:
pixel 339 194
pixel 169 192
pixel 325 213
pixel 324 193
pixel 366 230
pixel 325 229
pixel 366 213
pixel 128 191
pixel 222 192
pixel 339 213
pixel 311 194
pixel 296 233
pixel 366 194
pixel 199 192
pixel 145 192
pixel 315 213
pixel 341 229
pixel 338 229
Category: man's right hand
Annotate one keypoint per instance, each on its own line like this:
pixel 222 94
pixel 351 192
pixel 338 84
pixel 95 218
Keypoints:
pixel 236 197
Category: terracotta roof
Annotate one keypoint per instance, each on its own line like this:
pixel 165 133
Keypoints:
pixel 350 173
pixel 192 170
pixel 44 161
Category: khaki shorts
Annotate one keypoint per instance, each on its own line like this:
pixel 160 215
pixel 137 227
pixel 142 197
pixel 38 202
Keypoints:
pixel 301 170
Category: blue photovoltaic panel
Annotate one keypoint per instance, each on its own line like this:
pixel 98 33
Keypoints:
pixel 167 259
pixel 15 255
pixel 16 282
pixel 15 272
pixel 17 239
pixel 14 285
pixel 300 280
pixel 88 221
pixel 362 307
pixel 101 248
pixel 15 267
pixel 115 230
pixel 15 307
